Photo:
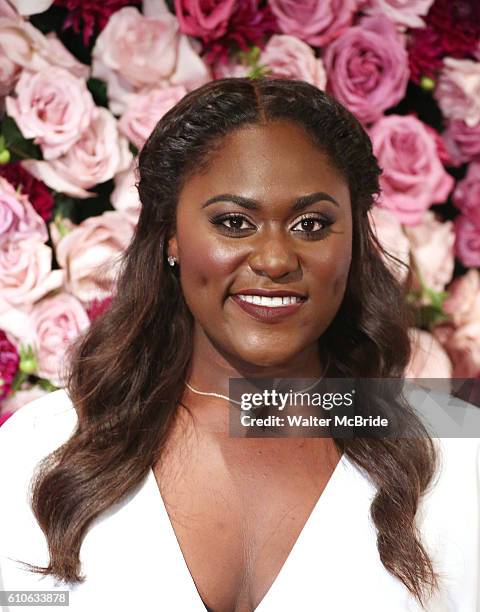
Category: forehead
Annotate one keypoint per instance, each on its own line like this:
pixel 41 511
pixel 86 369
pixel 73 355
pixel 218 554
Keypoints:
pixel 277 157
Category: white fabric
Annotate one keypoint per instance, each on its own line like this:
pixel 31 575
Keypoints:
pixel 133 562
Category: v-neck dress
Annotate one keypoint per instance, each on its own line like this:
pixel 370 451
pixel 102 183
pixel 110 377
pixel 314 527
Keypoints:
pixel 132 561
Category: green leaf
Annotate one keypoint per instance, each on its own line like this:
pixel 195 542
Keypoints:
pixel 47 385
pixel 19 147
pixel 98 89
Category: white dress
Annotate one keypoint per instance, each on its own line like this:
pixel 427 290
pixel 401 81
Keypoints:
pixel 132 560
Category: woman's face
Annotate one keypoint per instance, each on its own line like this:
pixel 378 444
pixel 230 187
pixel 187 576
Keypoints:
pixel 269 214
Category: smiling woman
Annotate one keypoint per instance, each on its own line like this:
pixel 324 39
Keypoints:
pixel 253 258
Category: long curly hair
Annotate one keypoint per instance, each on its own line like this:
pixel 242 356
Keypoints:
pixel 126 373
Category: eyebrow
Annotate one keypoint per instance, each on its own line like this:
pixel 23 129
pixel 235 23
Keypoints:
pixel 250 204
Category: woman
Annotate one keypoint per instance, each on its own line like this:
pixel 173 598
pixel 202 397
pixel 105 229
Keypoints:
pixel 248 188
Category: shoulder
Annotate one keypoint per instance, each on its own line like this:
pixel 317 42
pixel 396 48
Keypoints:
pixel 36 429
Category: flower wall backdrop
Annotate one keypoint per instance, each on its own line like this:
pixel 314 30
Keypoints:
pixel 83 83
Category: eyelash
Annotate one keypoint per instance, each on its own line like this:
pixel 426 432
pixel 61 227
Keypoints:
pixel 325 220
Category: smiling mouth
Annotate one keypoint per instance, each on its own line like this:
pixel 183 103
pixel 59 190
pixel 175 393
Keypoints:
pixel 268 309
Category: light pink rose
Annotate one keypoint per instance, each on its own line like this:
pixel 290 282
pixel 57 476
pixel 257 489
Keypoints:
pixel 7 10
pixel 406 13
pixel 463 301
pixel 428 359
pixel 367 67
pixel 96 157
pixel 52 106
pixel 137 51
pixel 462 142
pixel 145 110
pixel 458 90
pixel 21 398
pixel 200 18
pixel 18 219
pixel 389 233
pixel 26 274
pixel 125 197
pixel 290 58
pixel 31 7
pixel 91 253
pixel 26 47
pixel 317 22
pixel 467 193
pixel 467 243
pixel 53 324
pixel 413 176
pixel 463 347
pixel 432 248
pixel 231 68
pixel 9 72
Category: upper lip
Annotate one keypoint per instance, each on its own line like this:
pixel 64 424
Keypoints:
pixel 270 292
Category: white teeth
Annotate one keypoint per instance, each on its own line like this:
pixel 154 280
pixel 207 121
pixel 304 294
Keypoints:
pixel 273 302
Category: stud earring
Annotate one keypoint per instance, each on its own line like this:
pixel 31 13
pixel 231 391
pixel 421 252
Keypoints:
pixel 172 260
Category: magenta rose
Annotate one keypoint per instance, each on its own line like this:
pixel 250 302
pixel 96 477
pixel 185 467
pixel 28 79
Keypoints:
pixel 96 157
pixel 462 142
pixel 458 90
pixel 317 22
pixel 9 362
pixel 367 68
pixel 207 19
pixel 18 218
pixel 467 244
pixel 467 193
pixel 145 110
pixel 406 13
pixel 53 324
pixel 413 176
pixel 52 106
pixel 290 58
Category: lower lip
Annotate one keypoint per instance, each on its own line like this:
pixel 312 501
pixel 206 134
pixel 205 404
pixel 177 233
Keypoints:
pixel 268 314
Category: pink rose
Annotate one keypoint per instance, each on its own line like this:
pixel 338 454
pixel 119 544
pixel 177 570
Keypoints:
pixel 463 347
pixel 432 248
pixel 7 10
pixel 9 72
pixel 413 176
pixel 96 157
pixel 231 68
pixel 463 301
pixel 467 244
pixel 200 18
pixel 26 47
pixel 462 142
pixel 317 22
pixel 125 197
pixel 52 106
pixel 367 68
pixel 389 233
pixel 26 273
pixel 90 254
pixel 145 110
pixel 53 324
pixel 137 51
pixel 428 359
pixel 467 193
pixel 18 219
pixel 406 13
pixel 458 90
pixel 290 58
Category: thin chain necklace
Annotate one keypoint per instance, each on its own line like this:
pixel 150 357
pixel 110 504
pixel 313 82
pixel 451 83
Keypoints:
pixel 232 400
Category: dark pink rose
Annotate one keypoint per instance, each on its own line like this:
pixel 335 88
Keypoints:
pixel 367 68
pixel 467 243
pixel 315 21
pixel 207 19
pixel 467 194
pixel 462 141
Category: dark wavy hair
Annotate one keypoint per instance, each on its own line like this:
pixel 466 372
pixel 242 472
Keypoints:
pixel 126 374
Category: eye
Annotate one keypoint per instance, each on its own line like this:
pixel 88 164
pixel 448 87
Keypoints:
pixel 313 225
pixel 236 223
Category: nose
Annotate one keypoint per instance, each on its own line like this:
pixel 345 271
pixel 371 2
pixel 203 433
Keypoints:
pixel 274 256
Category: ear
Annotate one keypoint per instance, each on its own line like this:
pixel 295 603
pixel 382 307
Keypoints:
pixel 172 247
